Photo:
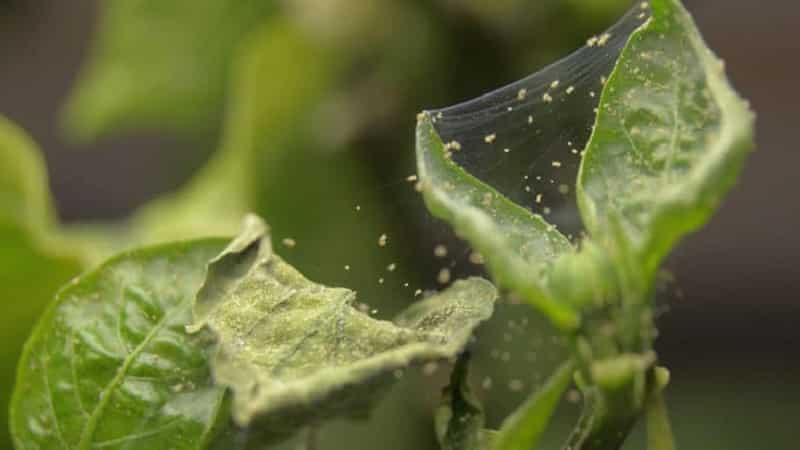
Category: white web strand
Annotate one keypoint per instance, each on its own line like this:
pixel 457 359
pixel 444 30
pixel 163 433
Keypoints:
pixel 526 139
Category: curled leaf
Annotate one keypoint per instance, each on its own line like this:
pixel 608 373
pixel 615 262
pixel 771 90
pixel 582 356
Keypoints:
pixel 295 352
pixel 518 245
pixel 670 138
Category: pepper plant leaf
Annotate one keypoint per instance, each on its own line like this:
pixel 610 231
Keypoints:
pixel 294 352
pixel 34 261
pixel 518 245
pixel 110 363
pixel 669 140
pixel 460 418
pixel 523 429
pixel 160 65
pixel 264 103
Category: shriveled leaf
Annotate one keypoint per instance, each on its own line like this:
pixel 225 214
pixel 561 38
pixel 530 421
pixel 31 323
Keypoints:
pixel 523 428
pixel 460 418
pixel 294 352
pixel 110 363
pixel 34 260
pixel 669 141
pixel 519 246
pixel 160 65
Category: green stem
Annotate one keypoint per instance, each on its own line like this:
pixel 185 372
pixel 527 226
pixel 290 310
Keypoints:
pixel 601 426
pixel 659 430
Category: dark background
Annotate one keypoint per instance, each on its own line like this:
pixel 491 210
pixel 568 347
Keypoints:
pixel 731 339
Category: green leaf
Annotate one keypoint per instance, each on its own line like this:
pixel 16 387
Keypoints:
pixel 110 363
pixel 265 101
pixel 34 261
pixel 669 141
pixel 519 246
pixel 265 108
pixel 160 65
pixel 295 352
pixel 659 429
pixel 523 429
pixel 460 418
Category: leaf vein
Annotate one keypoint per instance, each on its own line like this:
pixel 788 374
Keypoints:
pixel 105 394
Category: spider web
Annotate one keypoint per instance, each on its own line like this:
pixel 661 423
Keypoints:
pixel 526 139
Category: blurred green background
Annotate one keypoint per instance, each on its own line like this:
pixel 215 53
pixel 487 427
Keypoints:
pixel 303 110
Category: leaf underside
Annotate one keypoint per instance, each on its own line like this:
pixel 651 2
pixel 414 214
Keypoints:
pixel 294 352
pixel 110 364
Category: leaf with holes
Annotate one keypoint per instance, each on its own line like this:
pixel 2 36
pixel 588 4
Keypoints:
pixel 110 364
pixel 295 352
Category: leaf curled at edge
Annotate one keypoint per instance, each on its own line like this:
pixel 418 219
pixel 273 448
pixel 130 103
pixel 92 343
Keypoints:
pixel 669 141
pixel 518 245
pixel 110 363
pixel 294 352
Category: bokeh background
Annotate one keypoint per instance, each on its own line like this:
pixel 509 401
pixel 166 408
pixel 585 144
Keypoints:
pixel 729 333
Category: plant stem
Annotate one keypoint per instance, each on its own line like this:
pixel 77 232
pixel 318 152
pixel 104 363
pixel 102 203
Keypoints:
pixel 659 430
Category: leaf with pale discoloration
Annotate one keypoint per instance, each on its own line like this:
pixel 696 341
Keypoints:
pixel 295 352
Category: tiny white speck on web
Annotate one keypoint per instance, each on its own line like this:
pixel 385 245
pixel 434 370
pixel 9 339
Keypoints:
pixel 523 139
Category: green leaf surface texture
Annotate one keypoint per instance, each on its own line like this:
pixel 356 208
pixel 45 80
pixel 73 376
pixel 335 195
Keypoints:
pixel 111 365
pixel 295 352
pixel 34 261
pixel 669 141
pixel 518 245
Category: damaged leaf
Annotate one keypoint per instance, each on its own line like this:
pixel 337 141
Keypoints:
pixel 295 352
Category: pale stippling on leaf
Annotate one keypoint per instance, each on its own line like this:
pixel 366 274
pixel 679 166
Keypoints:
pixel 110 364
pixel 294 352
pixel 670 136
pixel 669 141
